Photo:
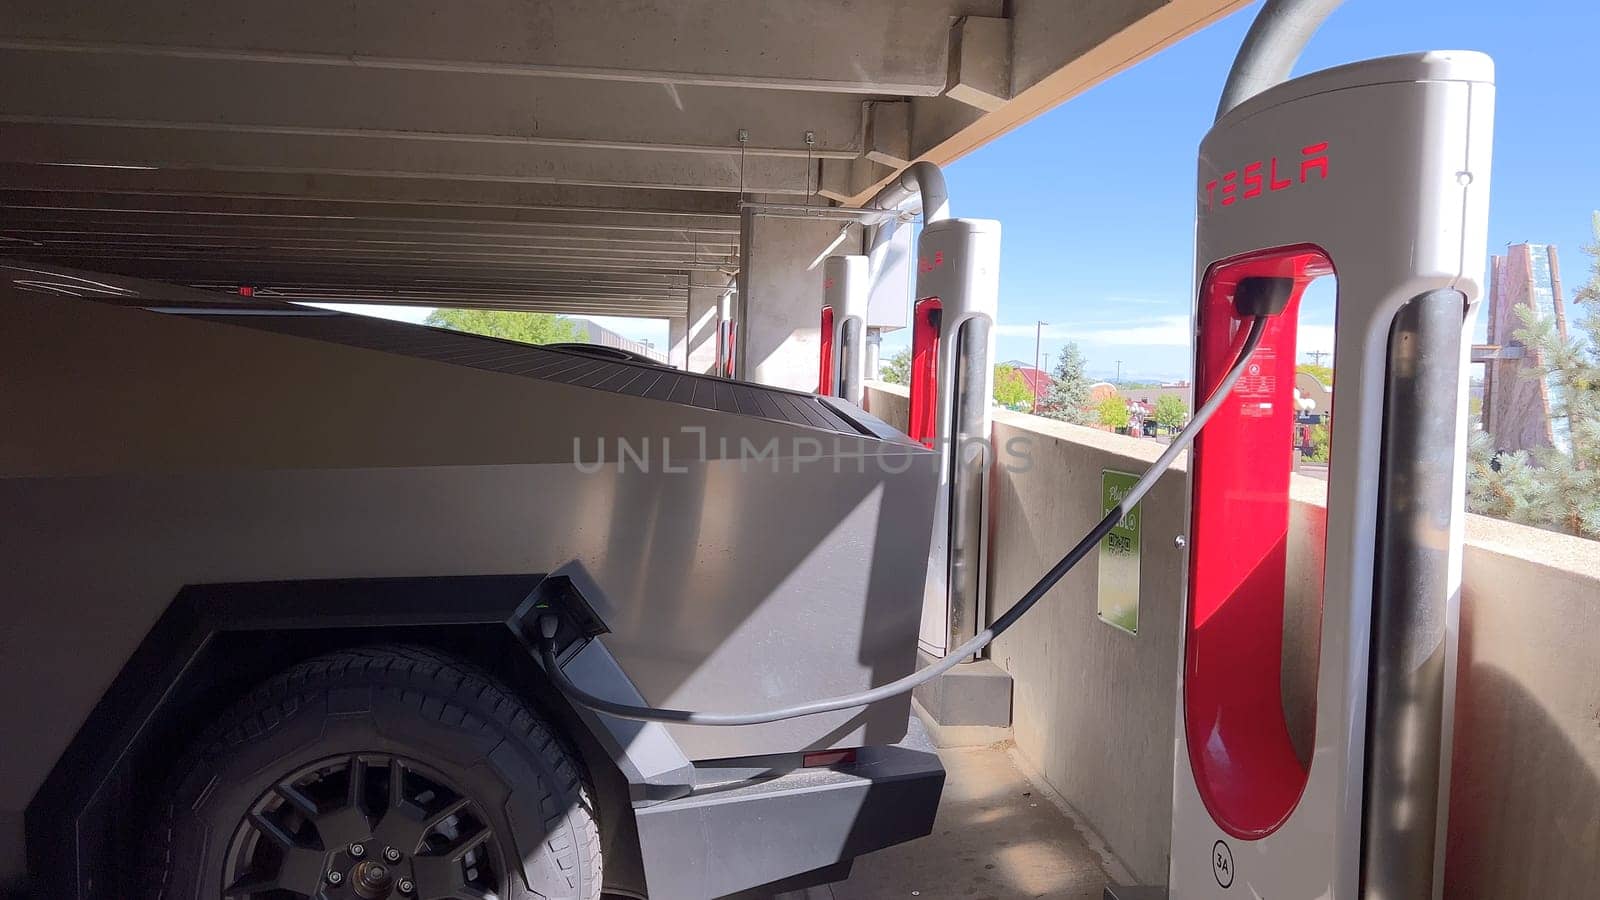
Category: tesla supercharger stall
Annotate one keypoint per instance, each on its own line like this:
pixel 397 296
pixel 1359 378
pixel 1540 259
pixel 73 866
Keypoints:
pixel 727 337
pixel 952 379
pixel 1377 171
pixel 844 327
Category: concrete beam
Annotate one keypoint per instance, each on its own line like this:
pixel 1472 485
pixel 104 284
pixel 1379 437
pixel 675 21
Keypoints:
pixel 487 247
pixel 844 181
pixel 885 47
pixel 888 137
pixel 47 225
pixel 934 119
pixel 54 87
pixel 369 189
pixel 980 62
pixel 538 299
pixel 421 286
pixel 1058 50
pixel 228 213
pixel 400 257
pixel 620 304
pixel 551 302
pixel 418 273
pixel 165 148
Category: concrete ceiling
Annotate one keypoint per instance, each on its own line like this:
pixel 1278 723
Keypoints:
pixel 578 156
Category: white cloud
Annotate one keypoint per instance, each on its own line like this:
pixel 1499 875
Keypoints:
pixel 1050 331
pixel 1154 331
pixel 1160 331
pixel 1314 337
pixel 1138 301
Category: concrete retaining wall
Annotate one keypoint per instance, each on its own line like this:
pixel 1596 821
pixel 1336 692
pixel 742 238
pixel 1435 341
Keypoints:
pixel 1094 708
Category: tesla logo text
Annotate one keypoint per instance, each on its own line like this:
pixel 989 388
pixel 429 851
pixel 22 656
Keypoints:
pixel 928 265
pixel 827 284
pixel 1263 176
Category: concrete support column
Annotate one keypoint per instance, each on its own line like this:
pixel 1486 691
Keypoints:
pixel 677 342
pixel 780 301
pixel 705 314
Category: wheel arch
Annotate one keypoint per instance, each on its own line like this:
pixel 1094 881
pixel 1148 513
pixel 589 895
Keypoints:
pixel 216 642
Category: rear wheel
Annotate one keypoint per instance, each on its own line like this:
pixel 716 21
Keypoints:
pixel 377 773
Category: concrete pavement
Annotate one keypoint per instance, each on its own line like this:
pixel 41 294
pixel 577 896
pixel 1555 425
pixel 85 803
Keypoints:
pixel 999 836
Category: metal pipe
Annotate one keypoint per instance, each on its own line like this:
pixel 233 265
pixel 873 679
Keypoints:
pixel 920 179
pixel 797 211
pixel 1272 45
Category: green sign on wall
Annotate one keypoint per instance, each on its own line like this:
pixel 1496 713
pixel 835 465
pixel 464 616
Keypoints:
pixel 1119 556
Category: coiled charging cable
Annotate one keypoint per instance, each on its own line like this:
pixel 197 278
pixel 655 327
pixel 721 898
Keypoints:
pixel 549 623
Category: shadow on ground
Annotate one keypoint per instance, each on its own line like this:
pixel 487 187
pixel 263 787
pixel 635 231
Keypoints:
pixel 997 837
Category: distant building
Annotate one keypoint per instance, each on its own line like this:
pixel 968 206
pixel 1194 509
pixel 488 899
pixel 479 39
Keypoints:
pixel 605 337
pixel 1099 391
pixel 1314 392
pixel 1516 406
pixel 1038 382
pixel 1183 390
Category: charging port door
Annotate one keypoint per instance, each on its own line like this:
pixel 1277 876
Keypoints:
pixel 952 379
pixel 1311 761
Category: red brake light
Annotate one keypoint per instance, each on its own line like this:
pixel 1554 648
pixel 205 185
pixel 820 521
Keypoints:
pixel 824 758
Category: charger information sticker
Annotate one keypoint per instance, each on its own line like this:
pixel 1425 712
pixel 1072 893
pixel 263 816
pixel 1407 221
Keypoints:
pixel 1119 556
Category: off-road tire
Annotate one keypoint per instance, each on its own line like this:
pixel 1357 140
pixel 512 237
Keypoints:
pixel 398 701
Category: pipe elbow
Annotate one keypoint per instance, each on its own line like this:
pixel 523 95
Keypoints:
pixel 920 179
pixel 1279 33
pixel 927 179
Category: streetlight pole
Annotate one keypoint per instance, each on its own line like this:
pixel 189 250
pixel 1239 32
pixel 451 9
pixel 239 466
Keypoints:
pixel 1119 373
pixel 1033 383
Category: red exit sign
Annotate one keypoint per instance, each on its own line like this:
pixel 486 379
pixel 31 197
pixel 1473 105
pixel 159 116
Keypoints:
pixel 1261 177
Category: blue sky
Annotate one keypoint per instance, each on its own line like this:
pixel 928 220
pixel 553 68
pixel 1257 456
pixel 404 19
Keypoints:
pixel 1096 196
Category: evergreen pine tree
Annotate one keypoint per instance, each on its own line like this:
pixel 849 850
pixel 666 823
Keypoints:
pixel 1068 396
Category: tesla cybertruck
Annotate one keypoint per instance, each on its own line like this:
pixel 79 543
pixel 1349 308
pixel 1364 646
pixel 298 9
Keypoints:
pixel 270 575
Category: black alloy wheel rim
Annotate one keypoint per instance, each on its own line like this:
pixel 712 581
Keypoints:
pixel 367 826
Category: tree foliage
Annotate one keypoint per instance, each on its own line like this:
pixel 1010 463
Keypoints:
pixel 1113 413
pixel 1068 396
pixel 1321 443
pixel 1171 411
pixel 897 369
pixel 1552 488
pixel 1011 389
pixel 526 327
pixel 1323 374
